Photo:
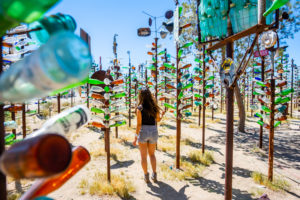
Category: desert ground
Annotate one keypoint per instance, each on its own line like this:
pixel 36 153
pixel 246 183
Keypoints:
pixel 195 180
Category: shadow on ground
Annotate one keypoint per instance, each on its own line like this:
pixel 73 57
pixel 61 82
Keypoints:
pixel 165 192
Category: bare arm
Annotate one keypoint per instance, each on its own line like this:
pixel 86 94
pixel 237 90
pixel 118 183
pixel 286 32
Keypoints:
pixel 159 117
pixel 139 121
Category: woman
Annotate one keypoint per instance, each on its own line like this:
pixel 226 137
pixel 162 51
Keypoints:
pixel 146 130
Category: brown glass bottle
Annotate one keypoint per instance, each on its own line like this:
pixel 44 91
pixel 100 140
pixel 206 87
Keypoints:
pixel 37 157
pixel 14 108
pixel 45 186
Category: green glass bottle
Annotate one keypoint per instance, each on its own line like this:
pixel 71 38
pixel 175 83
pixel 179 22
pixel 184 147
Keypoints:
pixel 50 25
pixel 265 108
pixel 97 110
pixel 119 95
pixel 286 91
pixel 14 12
pixel 286 99
pixel 209 86
pixel 260 122
pixel 9 138
pixel 169 106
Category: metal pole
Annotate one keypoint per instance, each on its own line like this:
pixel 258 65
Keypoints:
pixel 199 42
pixel 87 95
pixel 178 115
pixel 156 74
pixel 3 194
pixel 129 93
pixel 24 120
pixel 39 110
pixel 229 125
pixel 292 87
pixel 58 103
pixel 271 133
pixel 263 80
pixel 13 118
pixel 166 60
pixel 213 98
pixel 204 100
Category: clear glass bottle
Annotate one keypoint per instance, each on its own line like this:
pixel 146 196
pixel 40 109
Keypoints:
pixel 65 59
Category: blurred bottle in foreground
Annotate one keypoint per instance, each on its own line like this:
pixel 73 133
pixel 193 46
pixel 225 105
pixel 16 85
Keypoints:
pixel 36 157
pixel 65 122
pixel 45 186
pixel 50 25
pixel 13 12
pixel 65 59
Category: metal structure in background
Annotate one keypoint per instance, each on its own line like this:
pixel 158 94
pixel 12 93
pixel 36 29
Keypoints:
pixel 129 90
pixel 116 67
pixel 86 37
pixel 204 99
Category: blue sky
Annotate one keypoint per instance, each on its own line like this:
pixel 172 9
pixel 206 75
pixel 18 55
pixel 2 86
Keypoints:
pixel 104 18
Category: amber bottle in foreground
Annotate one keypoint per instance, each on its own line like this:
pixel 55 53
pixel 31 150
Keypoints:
pixel 36 157
pixel 45 186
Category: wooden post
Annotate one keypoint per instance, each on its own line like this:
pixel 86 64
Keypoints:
pixel 199 42
pixel 3 194
pixel 166 60
pixel 213 98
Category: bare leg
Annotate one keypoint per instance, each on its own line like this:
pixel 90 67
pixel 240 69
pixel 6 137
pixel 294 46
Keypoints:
pixel 143 150
pixel 151 151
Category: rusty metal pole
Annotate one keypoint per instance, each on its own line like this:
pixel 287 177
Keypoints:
pixel 213 98
pixel 39 110
pixel 292 84
pixel 129 93
pixel 199 42
pixel 87 95
pixel 166 60
pixel 229 125
pixel 156 74
pixel 13 118
pixel 204 99
pixel 58 103
pixel 3 194
pixel 178 115
pixel 252 89
pixel 24 120
pixel 263 80
pixel 221 99
pixel 271 133
pixel 107 143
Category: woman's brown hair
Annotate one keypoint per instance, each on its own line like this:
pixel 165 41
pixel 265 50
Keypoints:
pixel 148 102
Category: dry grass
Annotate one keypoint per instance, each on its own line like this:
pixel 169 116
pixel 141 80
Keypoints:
pixel 167 143
pixel 45 112
pixel 212 121
pixel 187 170
pixel 195 126
pixel 13 196
pixel 66 104
pixel 115 153
pixel 98 185
pixel 278 184
pixel 196 156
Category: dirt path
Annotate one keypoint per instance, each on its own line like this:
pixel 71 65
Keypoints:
pixel 247 159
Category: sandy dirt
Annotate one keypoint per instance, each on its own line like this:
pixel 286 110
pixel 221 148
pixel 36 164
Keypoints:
pixel 210 185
